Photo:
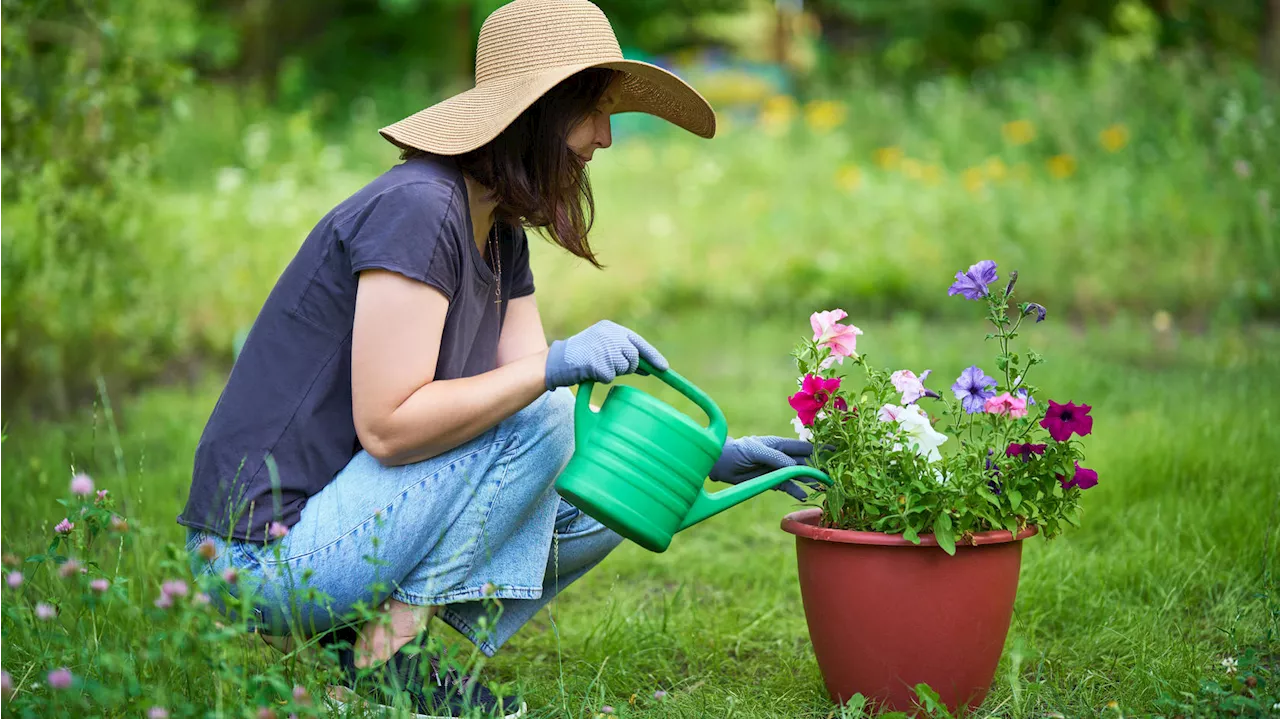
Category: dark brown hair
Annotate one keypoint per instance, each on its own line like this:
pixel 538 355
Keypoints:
pixel 538 181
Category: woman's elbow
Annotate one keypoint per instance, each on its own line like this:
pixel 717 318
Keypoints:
pixel 380 442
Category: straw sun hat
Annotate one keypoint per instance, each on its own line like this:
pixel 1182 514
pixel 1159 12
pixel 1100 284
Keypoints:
pixel 525 49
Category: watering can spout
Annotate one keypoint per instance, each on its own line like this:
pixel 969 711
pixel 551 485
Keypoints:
pixel 709 505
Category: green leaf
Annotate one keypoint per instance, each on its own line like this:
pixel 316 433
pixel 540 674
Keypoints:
pixel 1015 498
pixel 943 532
pixel 911 535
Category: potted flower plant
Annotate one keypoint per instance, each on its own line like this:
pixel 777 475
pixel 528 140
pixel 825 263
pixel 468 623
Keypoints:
pixel 909 568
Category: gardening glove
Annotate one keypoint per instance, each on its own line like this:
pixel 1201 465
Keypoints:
pixel 749 457
pixel 599 353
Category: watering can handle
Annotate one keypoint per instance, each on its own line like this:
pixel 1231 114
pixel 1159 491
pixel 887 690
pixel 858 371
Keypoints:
pixel 708 505
pixel 584 417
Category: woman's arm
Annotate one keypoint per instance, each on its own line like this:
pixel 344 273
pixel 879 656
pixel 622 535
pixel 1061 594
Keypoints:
pixel 522 332
pixel 401 415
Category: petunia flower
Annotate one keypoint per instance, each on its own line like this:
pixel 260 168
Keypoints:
pixel 1084 478
pixel 842 340
pixel 889 413
pixel 1006 404
pixel 973 282
pixel 1038 309
pixel 803 433
pixel 1025 451
pixel 973 388
pixel 919 433
pixel 814 394
pixel 1063 419
pixel 911 386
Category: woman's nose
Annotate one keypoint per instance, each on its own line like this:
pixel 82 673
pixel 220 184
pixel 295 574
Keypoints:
pixel 604 133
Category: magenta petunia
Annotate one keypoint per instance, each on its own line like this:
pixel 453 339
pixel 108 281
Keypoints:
pixel 814 394
pixel 1024 451
pixel 1064 419
pixel 1084 478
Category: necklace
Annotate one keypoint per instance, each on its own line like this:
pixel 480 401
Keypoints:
pixel 495 256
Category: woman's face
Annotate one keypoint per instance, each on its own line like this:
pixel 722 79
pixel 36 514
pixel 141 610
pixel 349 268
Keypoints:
pixel 593 132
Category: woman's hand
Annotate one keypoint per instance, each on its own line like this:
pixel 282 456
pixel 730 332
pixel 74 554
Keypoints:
pixel 749 457
pixel 600 353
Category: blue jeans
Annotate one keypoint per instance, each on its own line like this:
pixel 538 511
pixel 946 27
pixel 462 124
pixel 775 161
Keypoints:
pixel 473 523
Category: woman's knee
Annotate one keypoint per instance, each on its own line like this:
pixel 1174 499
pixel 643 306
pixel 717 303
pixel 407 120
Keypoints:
pixel 547 424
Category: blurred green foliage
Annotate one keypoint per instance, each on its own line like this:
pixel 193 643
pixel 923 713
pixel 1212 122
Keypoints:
pixel 87 87
pixel 162 159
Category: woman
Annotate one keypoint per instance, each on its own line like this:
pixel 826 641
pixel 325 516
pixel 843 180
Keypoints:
pixel 391 430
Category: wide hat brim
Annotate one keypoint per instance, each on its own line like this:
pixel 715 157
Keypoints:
pixel 470 119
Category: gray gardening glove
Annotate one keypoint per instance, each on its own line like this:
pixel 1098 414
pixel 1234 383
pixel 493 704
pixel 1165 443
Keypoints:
pixel 749 457
pixel 600 353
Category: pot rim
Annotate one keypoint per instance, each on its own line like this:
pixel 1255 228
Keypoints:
pixel 804 523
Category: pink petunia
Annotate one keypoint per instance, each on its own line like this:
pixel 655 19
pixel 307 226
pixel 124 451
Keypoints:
pixel 911 386
pixel 1006 404
pixel 82 485
pixel 889 413
pixel 814 394
pixel 842 340
pixel 60 678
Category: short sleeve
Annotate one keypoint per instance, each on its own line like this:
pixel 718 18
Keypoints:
pixel 521 273
pixel 410 230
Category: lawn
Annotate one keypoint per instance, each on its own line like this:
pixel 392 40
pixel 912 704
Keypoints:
pixel 1172 570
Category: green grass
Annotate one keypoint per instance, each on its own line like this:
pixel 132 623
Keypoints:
pixel 1173 568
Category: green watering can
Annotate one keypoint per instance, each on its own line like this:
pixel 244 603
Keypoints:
pixel 638 465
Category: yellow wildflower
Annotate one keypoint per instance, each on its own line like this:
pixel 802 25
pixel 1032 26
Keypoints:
pixel 889 158
pixel 849 178
pixel 1018 132
pixel 1062 166
pixel 973 179
pixel 1114 138
pixel 995 168
pixel 777 113
pixel 824 115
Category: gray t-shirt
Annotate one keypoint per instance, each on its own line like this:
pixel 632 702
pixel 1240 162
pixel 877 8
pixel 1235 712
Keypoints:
pixel 289 393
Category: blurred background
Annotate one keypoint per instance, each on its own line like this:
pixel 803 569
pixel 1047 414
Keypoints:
pixel 163 160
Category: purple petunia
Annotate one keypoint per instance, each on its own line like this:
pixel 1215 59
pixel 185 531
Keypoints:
pixel 973 388
pixel 973 282
pixel 1063 419
pixel 1083 478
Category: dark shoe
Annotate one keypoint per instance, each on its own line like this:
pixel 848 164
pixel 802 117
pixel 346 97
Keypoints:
pixel 430 692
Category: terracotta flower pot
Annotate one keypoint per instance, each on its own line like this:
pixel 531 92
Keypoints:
pixel 885 614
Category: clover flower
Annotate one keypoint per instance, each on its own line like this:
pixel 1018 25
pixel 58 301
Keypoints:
pixel 6 683
pixel 230 575
pixel 208 551
pixel 157 713
pixel 102 496
pixel 13 579
pixel 60 678
pixel 81 485
pixel 99 585
pixel 64 527
pixel 277 530
pixel 45 612
pixel 119 524
pixel 1230 664
pixel 69 568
